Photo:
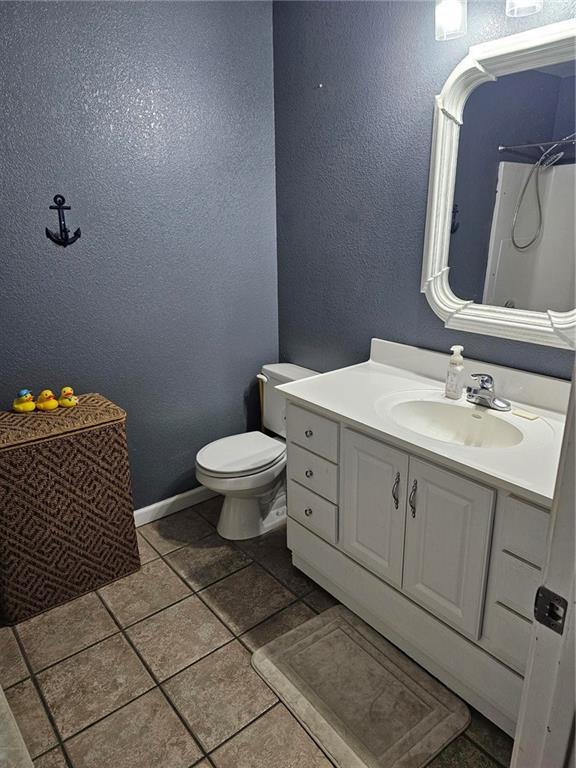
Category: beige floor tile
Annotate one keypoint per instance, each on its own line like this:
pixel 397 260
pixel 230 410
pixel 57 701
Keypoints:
pixel 206 561
pixel 320 600
pixel 490 738
pixel 219 694
pixel 12 665
pixel 277 625
pixel 275 739
pixel 64 630
pixel 147 553
pixel 178 636
pixel 144 734
pixel 53 759
pixel 461 753
pixel 210 509
pixel 271 551
pixel 176 530
pixel 31 717
pixel 153 587
pixel 246 598
pixel 90 685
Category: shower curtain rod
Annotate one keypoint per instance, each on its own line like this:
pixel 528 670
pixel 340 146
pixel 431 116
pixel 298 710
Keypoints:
pixel 540 144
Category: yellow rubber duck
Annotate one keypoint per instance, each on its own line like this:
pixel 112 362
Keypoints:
pixel 67 398
pixel 46 401
pixel 24 402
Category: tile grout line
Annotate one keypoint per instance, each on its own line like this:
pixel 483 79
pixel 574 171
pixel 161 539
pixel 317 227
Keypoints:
pixel 230 542
pixel 483 750
pixel 257 717
pixel 123 631
pixel 70 656
pixel 201 658
pixel 40 694
pixel 156 682
pixel 199 592
pixel 235 636
pixel 300 725
pixel 143 618
pixel 200 538
pixel 244 727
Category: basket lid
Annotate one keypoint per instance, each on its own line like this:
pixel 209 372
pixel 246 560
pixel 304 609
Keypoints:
pixel 93 410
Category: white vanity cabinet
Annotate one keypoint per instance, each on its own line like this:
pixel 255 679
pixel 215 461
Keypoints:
pixel 421 528
pixel 427 517
pixel 443 565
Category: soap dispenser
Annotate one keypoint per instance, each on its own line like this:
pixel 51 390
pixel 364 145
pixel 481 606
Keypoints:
pixel 455 374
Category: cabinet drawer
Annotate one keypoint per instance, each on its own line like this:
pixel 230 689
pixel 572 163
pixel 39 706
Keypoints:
pixel 313 432
pixel 507 636
pixel 313 472
pixel 516 583
pixel 313 511
pixel 524 529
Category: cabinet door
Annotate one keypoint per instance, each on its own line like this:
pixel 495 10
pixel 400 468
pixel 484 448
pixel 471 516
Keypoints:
pixel 448 531
pixel 373 508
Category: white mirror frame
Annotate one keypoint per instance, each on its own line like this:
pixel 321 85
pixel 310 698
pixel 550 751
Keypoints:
pixel 539 47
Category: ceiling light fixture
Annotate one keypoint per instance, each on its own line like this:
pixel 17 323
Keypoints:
pixel 517 8
pixel 451 19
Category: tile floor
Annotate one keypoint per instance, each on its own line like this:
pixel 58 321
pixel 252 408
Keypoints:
pixel 153 671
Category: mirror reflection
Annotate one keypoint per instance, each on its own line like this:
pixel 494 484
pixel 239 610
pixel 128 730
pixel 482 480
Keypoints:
pixel 513 233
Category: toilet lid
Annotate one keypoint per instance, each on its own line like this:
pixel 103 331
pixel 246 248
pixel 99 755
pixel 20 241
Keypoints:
pixel 240 454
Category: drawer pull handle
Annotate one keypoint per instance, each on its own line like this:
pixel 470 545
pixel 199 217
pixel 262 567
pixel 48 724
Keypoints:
pixel 395 488
pixel 309 473
pixel 412 499
pixel 307 511
pixel 309 433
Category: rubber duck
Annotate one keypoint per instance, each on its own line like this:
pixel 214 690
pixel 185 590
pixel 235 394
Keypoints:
pixel 67 398
pixel 24 402
pixel 46 401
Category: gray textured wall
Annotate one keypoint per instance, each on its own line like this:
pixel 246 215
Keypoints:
pixel 352 164
pixel 155 120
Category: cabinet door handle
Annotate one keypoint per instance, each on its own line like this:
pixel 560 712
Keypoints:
pixel 412 499
pixel 307 511
pixel 308 433
pixel 395 488
pixel 309 473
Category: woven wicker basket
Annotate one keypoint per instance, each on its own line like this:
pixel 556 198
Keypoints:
pixel 66 513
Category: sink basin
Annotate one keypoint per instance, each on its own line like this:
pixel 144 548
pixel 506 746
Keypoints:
pixel 450 423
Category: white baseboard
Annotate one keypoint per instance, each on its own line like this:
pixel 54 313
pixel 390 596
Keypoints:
pixel 173 504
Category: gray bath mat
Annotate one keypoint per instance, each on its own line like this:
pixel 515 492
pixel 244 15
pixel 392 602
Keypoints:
pixel 364 702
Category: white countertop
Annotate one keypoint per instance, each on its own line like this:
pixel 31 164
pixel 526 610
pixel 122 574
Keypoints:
pixel 357 397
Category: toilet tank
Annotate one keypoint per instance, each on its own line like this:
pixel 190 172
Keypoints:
pixel 274 403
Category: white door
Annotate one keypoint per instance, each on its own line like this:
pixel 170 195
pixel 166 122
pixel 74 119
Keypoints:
pixel 545 731
pixel 373 508
pixel 448 531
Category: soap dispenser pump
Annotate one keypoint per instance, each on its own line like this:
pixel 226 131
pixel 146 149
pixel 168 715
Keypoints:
pixel 455 374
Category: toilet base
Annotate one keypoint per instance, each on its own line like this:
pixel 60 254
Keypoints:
pixel 246 518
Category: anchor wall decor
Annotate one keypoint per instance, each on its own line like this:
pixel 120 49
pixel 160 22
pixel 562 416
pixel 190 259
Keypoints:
pixel 64 238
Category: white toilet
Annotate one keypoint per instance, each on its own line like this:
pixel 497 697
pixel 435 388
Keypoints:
pixel 249 469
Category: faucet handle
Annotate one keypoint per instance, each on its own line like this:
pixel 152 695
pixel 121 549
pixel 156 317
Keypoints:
pixel 485 380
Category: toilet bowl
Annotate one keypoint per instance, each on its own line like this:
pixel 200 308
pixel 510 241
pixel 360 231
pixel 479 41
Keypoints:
pixel 249 469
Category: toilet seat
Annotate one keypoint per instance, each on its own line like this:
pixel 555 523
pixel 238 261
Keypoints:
pixel 240 455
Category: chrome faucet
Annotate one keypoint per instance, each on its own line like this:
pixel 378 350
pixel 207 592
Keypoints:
pixel 484 393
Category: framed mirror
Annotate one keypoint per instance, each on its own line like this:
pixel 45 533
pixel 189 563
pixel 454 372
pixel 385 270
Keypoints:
pixel 500 247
